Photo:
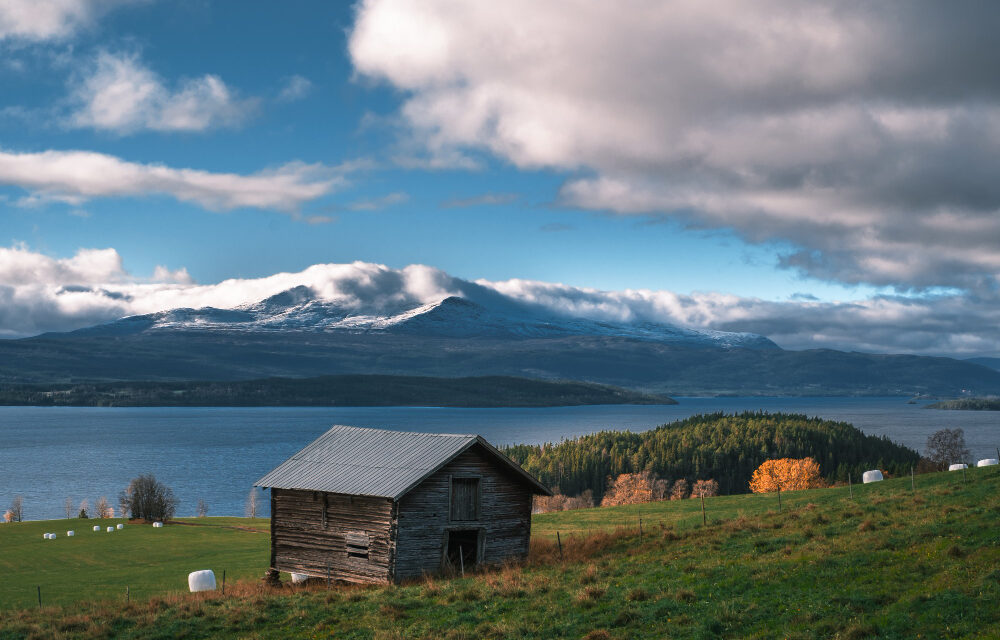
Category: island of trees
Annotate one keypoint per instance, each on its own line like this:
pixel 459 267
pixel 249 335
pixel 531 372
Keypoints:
pixel 991 403
pixel 724 448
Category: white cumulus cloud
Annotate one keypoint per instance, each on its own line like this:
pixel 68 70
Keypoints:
pixel 40 20
pixel 77 176
pixel 863 133
pixel 118 93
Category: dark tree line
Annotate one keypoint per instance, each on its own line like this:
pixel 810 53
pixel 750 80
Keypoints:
pixel 719 446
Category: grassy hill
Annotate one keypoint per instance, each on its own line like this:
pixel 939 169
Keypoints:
pixel 328 391
pixel 888 563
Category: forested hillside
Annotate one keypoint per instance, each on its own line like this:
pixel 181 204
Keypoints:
pixel 717 446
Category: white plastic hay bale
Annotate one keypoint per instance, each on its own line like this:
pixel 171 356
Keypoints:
pixel 45 536
pixel 70 534
pixel 52 536
pixel 120 527
pixel 957 467
pixel 111 529
pixel 872 476
pixel 987 462
pixel 298 578
pixel 97 527
pixel 201 580
pixel 157 525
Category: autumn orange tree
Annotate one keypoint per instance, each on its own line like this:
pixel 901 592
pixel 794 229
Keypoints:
pixel 785 474
pixel 629 488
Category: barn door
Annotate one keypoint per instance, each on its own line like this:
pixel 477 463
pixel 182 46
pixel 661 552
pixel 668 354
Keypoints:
pixel 464 499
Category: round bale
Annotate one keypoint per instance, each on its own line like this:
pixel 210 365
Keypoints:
pixel 987 462
pixel 872 476
pixel 298 578
pixel 957 467
pixel 201 580
pixel 71 533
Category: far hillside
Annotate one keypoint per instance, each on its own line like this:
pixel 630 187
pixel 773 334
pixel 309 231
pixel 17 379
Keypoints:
pixel 329 391
pixel 721 447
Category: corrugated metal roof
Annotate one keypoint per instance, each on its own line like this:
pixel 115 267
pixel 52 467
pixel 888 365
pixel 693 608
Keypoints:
pixel 375 462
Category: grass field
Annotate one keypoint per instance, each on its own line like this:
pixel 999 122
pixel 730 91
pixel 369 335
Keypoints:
pixel 890 563
pixel 148 561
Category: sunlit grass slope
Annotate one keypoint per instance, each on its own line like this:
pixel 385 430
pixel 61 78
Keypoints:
pixel 889 563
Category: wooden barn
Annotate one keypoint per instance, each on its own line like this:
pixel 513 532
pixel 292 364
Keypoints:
pixel 370 505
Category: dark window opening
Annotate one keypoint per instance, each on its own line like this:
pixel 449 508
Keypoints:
pixel 464 499
pixel 463 549
pixel 357 545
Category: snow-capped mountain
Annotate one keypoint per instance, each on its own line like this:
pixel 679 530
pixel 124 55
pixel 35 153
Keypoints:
pixel 490 316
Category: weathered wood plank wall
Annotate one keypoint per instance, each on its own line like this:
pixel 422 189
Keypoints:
pixel 310 529
pixel 424 515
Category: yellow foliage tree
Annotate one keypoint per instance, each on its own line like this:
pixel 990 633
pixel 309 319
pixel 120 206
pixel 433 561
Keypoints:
pixel 629 488
pixel 785 474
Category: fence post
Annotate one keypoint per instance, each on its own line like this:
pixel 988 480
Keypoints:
pixel 327 574
pixel 964 478
pixel 461 559
pixel 850 486
pixel 913 486
pixel 779 499
pixel 559 541
pixel 39 587
pixel 704 520
pixel 640 527
pixel 127 597
pixel 223 582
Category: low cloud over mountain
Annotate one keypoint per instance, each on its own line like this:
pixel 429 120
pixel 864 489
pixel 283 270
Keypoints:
pixel 40 293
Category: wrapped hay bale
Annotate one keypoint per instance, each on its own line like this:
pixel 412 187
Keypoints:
pixel 987 462
pixel 97 527
pixel 70 534
pixel 872 476
pixel 957 467
pixel 298 578
pixel 45 536
pixel 157 525
pixel 111 529
pixel 121 526
pixel 201 580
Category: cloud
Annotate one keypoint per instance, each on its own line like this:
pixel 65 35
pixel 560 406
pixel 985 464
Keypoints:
pixel 118 93
pixel 381 202
pixel 296 87
pixel 76 176
pixel 40 20
pixel 40 293
pixel 862 133
pixel 480 200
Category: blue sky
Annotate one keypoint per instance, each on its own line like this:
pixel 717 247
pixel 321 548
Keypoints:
pixel 667 146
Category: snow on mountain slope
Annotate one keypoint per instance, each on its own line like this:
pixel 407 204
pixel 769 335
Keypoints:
pixel 490 315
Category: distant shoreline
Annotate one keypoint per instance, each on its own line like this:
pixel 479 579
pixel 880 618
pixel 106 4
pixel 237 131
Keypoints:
pixel 968 404
pixel 330 391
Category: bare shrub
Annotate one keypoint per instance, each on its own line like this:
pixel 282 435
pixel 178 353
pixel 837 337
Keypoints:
pixel 17 509
pixel 149 499
pixel 102 508
pixel 705 489
pixel 680 490
pixel 202 509
pixel 252 506
pixel 69 508
pixel 84 509
pixel 947 446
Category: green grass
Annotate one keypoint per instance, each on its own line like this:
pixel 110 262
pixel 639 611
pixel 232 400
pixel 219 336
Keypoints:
pixel 148 561
pixel 889 563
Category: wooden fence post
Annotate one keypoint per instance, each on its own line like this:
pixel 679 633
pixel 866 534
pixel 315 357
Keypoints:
pixel 559 541
pixel 913 486
pixel 640 527
pixel 779 499
pixel 704 520
pixel 127 598
pixel 461 559
pixel 39 596
pixel 850 486
pixel 223 582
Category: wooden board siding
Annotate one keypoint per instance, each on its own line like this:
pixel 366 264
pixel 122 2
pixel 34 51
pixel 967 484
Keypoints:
pixel 306 535
pixel 504 515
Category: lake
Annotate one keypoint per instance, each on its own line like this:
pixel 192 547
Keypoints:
pixel 215 454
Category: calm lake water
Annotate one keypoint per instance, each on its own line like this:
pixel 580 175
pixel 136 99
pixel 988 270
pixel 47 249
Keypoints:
pixel 215 454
